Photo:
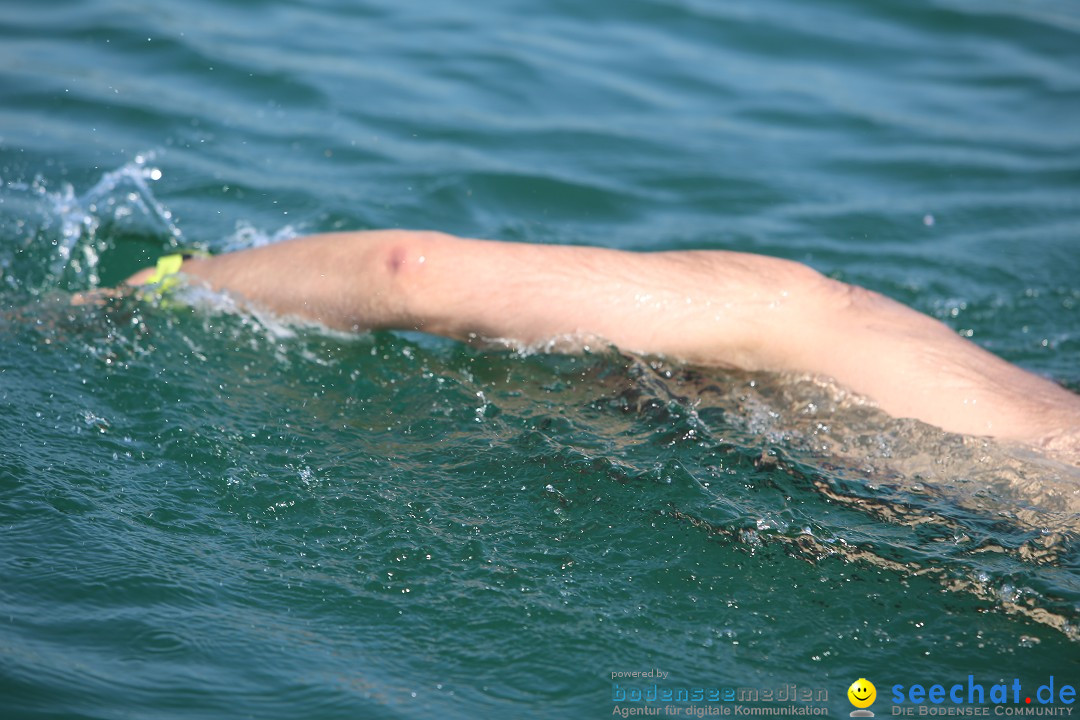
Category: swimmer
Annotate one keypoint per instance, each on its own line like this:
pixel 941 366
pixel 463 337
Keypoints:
pixel 709 308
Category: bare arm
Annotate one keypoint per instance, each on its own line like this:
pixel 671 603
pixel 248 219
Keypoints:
pixel 708 307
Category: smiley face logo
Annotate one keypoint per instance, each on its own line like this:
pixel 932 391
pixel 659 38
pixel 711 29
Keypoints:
pixel 862 693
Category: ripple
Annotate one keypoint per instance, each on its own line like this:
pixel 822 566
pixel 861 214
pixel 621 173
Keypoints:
pixel 205 509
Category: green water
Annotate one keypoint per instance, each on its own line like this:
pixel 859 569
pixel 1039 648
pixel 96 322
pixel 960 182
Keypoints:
pixel 206 513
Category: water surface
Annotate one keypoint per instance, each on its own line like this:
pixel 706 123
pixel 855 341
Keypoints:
pixel 209 513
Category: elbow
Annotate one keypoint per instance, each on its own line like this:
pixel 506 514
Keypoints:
pixel 841 299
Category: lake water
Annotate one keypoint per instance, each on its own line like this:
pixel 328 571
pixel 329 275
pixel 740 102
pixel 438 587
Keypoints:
pixel 208 514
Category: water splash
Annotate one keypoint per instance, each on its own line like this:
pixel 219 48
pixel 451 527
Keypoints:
pixel 73 230
pixel 122 196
